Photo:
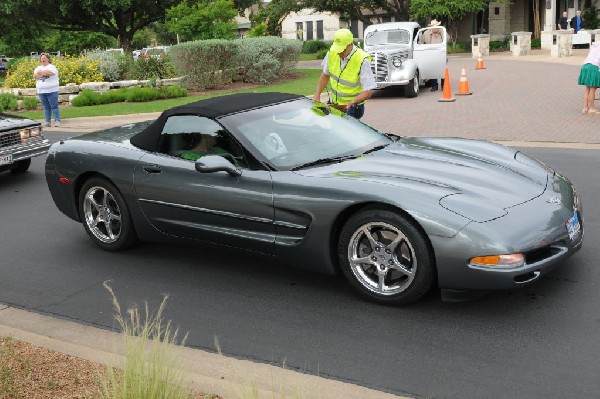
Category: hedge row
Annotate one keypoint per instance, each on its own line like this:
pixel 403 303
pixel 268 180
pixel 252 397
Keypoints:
pixel 208 64
pixel 135 94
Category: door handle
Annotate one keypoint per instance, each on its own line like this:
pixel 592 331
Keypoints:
pixel 152 168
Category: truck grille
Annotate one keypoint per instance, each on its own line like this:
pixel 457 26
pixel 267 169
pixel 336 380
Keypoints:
pixel 10 138
pixel 379 66
pixel 379 63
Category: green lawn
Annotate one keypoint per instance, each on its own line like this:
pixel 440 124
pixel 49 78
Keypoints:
pixel 308 57
pixel 305 85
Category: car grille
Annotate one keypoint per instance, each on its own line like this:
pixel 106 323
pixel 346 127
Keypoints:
pixel 379 66
pixel 10 138
pixel 379 63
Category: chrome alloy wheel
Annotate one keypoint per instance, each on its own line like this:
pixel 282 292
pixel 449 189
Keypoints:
pixel 382 258
pixel 102 214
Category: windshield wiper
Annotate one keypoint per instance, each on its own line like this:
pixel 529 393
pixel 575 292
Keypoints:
pixel 324 161
pixel 379 147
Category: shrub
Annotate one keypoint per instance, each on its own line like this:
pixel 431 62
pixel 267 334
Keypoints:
pixel 500 45
pixel 134 94
pixel 76 70
pixel 321 54
pixel 313 46
pixel 85 98
pixel 205 63
pixel 264 59
pixel 30 103
pixel 536 43
pixel 264 70
pixel 459 47
pixel 8 102
pixel 159 68
pixel 113 65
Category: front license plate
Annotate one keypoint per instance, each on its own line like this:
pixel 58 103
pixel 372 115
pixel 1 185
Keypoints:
pixel 6 159
pixel 573 226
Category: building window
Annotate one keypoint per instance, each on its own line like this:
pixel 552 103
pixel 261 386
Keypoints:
pixel 320 30
pixel 299 32
pixel 309 30
pixel 354 27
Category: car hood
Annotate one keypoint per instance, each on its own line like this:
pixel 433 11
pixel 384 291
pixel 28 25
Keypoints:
pixel 388 48
pixel 9 122
pixel 476 179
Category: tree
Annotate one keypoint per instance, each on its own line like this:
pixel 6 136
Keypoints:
pixel 74 43
pixel 355 9
pixel 203 20
pixel 120 19
pixel 273 14
pixel 590 16
pixel 449 10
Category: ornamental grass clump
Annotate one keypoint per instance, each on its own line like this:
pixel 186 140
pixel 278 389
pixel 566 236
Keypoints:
pixel 152 368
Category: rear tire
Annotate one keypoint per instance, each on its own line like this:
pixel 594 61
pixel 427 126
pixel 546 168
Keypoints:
pixel 21 166
pixel 411 90
pixel 386 257
pixel 105 215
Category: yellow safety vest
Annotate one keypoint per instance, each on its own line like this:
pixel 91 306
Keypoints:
pixel 345 84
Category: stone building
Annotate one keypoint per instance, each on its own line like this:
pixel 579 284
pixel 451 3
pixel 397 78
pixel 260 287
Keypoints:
pixel 498 20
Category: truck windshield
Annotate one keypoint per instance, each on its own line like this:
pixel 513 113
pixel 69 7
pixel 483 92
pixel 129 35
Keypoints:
pixel 396 36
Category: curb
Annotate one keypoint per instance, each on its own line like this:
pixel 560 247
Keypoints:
pixel 206 372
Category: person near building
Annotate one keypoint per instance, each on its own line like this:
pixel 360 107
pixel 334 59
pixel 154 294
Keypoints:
pixel 433 36
pixel 46 83
pixel 563 22
pixel 577 22
pixel 347 69
pixel 589 76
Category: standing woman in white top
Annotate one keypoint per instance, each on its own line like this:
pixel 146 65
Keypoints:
pixel 46 83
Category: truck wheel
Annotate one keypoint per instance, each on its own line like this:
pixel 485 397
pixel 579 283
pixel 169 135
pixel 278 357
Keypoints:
pixel 412 88
pixel 21 166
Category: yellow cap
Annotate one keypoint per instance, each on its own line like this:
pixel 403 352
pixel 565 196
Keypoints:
pixel 341 40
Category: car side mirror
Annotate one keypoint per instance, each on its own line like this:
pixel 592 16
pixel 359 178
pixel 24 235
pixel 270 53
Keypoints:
pixel 216 163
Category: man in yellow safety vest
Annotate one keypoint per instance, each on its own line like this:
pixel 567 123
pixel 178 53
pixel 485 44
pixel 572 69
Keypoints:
pixel 347 69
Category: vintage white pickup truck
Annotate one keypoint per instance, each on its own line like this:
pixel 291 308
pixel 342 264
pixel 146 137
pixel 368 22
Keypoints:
pixel 402 58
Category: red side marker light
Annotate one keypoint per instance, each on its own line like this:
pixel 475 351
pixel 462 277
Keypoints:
pixel 64 180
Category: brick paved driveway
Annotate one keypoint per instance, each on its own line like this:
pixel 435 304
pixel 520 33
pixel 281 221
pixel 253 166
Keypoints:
pixel 512 100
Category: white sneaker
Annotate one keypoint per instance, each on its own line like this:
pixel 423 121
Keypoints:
pixel 46 124
pixel 56 123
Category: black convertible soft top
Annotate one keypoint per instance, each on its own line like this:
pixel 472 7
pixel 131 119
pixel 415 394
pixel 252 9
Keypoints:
pixel 214 107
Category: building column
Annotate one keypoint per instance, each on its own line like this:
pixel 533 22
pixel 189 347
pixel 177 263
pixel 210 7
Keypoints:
pixel 499 20
pixel 550 16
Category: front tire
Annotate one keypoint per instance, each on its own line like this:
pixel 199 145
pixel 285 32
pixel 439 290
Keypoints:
pixel 386 257
pixel 411 90
pixel 105 216
pixel 21 166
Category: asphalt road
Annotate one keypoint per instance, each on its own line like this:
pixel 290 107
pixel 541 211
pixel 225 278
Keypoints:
pixel 538 342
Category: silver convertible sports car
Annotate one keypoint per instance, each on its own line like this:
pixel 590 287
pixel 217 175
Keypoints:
pixel 285 176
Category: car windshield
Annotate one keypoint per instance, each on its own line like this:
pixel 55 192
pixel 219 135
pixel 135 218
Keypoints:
pixel 297 133
pixel 395 36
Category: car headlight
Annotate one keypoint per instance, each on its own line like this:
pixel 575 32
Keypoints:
pixel 491 262
pixel 25 134
pixel 397 62
pixel 35 131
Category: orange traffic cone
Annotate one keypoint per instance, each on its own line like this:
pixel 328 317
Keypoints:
pixel 479 64
pixel 463 84
pixel 447 92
